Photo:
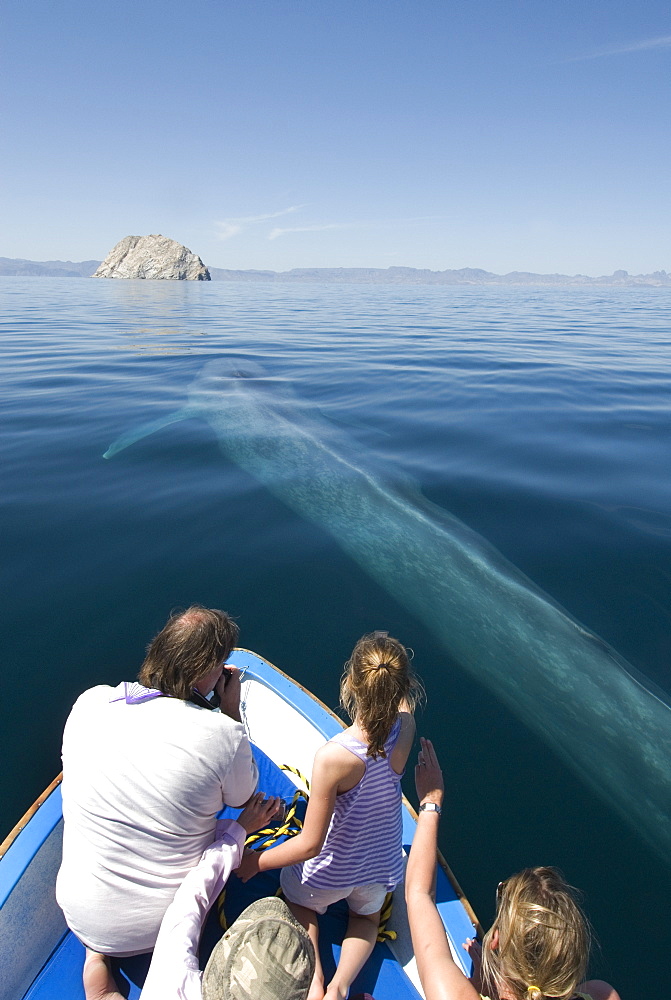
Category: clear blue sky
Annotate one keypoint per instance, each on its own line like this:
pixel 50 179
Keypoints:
pixel 504 134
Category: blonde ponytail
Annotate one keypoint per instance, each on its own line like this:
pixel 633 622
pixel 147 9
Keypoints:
pixel 377 679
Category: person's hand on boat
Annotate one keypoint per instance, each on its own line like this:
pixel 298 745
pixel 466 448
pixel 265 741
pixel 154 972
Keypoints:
pixel 249 866
pixel 228 690
pixel 428 775
pixel 259 811
pixel 474 949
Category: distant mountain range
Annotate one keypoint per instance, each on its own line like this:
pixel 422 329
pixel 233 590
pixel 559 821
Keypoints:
pixel 47 268
pixel 352 275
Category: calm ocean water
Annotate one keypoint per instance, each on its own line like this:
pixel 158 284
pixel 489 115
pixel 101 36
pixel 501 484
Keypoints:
pixel 539 417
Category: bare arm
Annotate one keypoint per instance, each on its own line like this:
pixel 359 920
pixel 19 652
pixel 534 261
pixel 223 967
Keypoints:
pixel 400 753
pixel 330 768
pixel 441 978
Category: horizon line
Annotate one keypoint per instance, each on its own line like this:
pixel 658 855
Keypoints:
pixel 618 272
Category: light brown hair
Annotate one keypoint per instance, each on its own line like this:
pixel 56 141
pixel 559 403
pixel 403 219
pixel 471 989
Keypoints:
pixel 377 678
pixel 543 937
pixel 192 644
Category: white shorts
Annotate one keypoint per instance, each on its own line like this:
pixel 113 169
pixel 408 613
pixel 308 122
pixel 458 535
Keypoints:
pixel 362 900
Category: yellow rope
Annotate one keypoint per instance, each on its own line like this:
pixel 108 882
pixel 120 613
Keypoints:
pixel 223 922
pixel 382 933
pixel 290 827
pixel 301 777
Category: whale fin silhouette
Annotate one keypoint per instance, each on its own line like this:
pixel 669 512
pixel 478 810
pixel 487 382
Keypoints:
pixel 144 430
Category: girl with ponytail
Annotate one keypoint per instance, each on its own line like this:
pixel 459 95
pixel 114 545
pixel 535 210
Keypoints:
pixel 350 846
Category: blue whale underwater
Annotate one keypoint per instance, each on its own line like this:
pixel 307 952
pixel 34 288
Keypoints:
pixel 561 679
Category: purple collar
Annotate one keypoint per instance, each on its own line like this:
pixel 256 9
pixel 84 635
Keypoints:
pixel 132 692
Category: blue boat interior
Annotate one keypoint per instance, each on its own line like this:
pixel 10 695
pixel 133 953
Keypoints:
pixel 382 977
pixel 42 960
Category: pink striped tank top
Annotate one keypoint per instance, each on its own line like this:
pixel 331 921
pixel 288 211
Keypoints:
pixel 363 842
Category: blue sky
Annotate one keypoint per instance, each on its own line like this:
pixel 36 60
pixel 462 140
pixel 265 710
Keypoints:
pixel 503 134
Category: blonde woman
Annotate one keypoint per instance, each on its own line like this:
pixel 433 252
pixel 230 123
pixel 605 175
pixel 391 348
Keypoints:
pixel 350 847
pixel 537 947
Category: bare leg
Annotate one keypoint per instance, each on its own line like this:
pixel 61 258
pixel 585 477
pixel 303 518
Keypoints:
pixel 308 918
pixel 357 946
pixel 99 982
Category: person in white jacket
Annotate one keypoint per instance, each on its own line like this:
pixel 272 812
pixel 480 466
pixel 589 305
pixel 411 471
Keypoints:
pixel 146 768
pixel 266 953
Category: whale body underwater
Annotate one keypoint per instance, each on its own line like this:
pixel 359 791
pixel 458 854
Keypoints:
pixel 559 678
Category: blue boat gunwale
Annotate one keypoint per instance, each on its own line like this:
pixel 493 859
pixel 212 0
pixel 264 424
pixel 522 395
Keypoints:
pixel 22 842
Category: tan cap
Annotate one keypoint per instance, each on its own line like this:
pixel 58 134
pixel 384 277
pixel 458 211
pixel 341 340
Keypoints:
pixel 265 954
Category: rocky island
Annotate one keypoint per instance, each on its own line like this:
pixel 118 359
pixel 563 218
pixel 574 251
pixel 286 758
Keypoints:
pixel 152 257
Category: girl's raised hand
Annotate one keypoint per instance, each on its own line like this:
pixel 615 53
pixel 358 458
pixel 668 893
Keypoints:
pixel 428 775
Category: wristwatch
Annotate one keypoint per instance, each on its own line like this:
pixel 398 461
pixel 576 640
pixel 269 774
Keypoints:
pixel 430 807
